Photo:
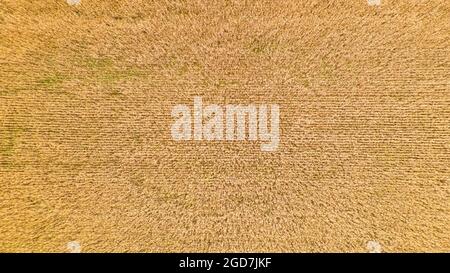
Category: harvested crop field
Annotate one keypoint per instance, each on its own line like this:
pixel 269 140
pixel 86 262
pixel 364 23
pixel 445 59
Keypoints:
pixel 88 162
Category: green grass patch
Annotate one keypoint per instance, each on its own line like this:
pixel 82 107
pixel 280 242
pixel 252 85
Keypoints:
pixel 51 81
pixel 8 141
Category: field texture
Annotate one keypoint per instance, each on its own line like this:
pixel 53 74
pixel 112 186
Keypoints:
pixel 88 163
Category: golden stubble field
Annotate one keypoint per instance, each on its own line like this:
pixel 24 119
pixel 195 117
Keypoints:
pixel 86 154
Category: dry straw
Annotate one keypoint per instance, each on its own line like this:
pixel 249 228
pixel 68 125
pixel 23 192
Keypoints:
pixel 86 152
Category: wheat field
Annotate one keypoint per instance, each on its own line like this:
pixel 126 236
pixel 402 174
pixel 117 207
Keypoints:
pixel 87 161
